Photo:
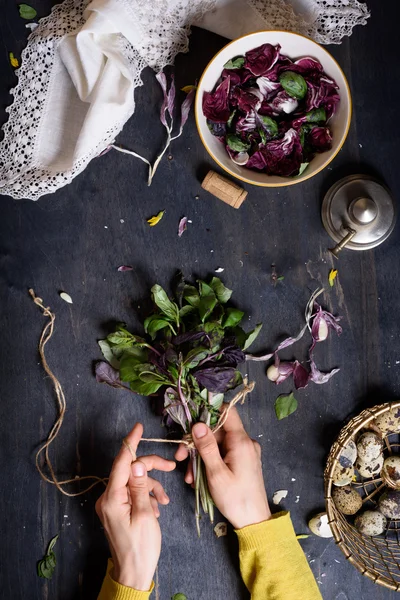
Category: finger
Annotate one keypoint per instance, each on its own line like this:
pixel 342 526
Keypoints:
pixel 189 478
pixel 181 453
pixel 207 447
pixel 153 461
pixel 154 506
pixel 138 487
pixel 120 471
pixel 157 490
pixel 233 422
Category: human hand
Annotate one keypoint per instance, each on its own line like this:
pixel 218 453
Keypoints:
pixel 128 510
pixel 234 471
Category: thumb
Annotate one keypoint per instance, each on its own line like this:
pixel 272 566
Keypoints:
pixel 138 487
pixel 207 446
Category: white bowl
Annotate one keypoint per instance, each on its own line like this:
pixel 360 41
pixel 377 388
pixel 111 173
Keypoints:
pixel 295 46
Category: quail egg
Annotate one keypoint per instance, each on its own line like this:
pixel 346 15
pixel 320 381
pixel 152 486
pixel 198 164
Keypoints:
pixel 369 446
pixel 348 455
pixel 371 468
pixel 391 469
pixel 370 522
pixel 342 476
pixel 319 525
pixel 347 500
pixel 389 504
pixel 389 421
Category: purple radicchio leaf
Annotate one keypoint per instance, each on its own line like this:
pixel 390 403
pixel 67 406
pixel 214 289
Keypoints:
pixel 185 109
pixel 247 123
pixel 283 103
pixel 217 379
pixel 171 97
pixel 216 104
pixel 279 157
pixel 260 60
pixel 268 88
pixel 301 376
pixel 162 80
pixel 320 139
pixel 123 268
pixel 322 322
pixel 182 226
pixel 237 76
pixel 105 373
pixel 318 376
pixel 245 100
pixel 323 93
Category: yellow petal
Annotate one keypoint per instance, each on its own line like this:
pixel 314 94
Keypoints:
pixel 332 276
pixel 188 88
pixel 302 536
pixel 156 219
pixel 14 61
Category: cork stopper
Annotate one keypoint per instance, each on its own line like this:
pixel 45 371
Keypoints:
pixel 225 190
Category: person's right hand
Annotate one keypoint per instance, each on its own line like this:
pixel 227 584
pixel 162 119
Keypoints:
pixel 234 471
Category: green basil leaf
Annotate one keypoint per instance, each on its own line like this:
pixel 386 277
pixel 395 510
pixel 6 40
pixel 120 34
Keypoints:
pixel 232 317
pixel 285 405
pixel 269 125
pixel 231 117
pixel 191 295
pixel 263 135
pixel 52 543
pixel 217 401
pixel 27 12
pixel 43 570
pixel 303 167
pixel 193 357
pixel 317 115
pixel 236 143
pixel 124 338
pixel 179 597
pixel 130 367
pixel 149 377
pixel 241 336
pixel 235 63
pixel 144 388
pixel 251 336
pixel 185 310
pixel 164 303
pixel 154 323
pixel 294 84
pixel 208 300
pixel 215 333
pixel 174 371
pixel 108 353
pixel 140 354
pixel 50 561
pixel 223 293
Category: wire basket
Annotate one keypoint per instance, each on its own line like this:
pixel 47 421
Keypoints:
pixel 378 558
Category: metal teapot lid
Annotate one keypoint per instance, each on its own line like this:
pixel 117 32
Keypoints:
pixel 358 212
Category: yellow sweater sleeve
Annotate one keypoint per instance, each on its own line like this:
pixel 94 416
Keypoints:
pixel 111 590
pixel 272 563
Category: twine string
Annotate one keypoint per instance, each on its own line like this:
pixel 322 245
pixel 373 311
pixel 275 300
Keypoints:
pixel 187 439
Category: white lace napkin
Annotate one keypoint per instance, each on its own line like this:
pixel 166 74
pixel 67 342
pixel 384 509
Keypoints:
pixel 82 63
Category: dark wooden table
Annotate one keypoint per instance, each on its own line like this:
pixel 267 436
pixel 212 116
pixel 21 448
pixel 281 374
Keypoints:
pixel 74 240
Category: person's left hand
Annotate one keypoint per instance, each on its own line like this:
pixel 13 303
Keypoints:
pixel 128 510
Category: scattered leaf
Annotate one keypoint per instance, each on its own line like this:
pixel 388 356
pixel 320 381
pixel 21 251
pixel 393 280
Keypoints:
pixel 221 529
pixel 278 496
pixel 179 597
pixel 332 276
pixel 156 219
pixel 281 278
pixel 66 297
pixel 13 61
pixel 31 26
pixel 303 167
pixel 285 405
pixel 46 566
pixel 125 268
pixel 188 88
pixel 302 536
pixel 219 270
pixel 27 12
pixel 182 226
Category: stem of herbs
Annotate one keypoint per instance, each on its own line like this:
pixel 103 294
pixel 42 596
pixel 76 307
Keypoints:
pixel 196 461
pixel 183 399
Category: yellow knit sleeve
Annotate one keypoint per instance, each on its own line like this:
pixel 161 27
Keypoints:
pixel 272 563
pixel 111 590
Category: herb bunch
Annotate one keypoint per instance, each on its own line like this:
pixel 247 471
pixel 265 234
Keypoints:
pixel 189 358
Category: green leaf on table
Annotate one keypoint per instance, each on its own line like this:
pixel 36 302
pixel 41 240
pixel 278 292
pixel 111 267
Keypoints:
pixel 170 309
pixel 250 337
pixel 236 143
pixel 108 353
pixel 235 63
pixel 232 317
pixel 223 293
pixel 52 543
pixel 191 295
pixel 46 566
pixel 285 405
pixel 27 12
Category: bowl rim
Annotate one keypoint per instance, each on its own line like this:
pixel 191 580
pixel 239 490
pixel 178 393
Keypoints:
pixel 289 181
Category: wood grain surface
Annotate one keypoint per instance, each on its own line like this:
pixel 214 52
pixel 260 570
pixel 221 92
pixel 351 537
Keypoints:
pixel 75 239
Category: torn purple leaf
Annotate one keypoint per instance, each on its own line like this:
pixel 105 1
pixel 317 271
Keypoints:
pixel 125 268
pixel 186 104
pixel 171 97
pixel 260 60
pixel 318 376
pixel 216 104
pixel 162 80
pixel 301 376
pixel 182 226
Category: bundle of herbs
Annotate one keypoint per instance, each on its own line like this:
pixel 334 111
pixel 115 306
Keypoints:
pixel 189 360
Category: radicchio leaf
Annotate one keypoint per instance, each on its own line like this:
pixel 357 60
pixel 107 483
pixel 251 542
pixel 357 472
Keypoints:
pixel 260 60
pixel 280 157
pixel 320 139
pixel 245 100
pixel 301 376
pixel 182 226
pixel 162 80
pixel 283 103
pixel 125 268
pixel 267 87
pixel 216 104
pixel 318 376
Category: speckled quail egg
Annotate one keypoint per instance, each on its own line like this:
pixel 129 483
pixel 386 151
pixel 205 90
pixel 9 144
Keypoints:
pixel 391 469
pixel 348 455
pixel 342 475
pixel 319 525
pixel 370 522
pixel 369 469
pixel 369 446
pixel 389 504
pixel 347 500
pixel 389 421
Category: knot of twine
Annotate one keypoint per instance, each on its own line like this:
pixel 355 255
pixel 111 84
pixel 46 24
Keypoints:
pixel 187 439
